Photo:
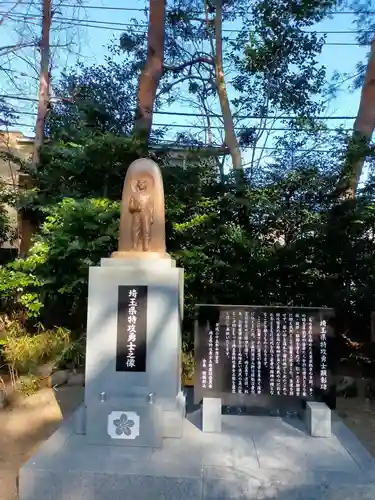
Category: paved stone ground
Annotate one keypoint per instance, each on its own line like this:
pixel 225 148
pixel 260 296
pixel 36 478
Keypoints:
pixel 253 458
pixel 25 426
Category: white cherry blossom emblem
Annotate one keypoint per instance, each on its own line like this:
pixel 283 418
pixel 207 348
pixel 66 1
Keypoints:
pixel 123 425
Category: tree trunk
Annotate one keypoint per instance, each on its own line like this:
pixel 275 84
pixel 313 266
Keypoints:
pixel 363 129
pixel 28 224
pixel 44 81
pixel 230 136
pixel 152 71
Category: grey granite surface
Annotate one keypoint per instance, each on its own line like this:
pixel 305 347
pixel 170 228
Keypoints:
pixel 253 458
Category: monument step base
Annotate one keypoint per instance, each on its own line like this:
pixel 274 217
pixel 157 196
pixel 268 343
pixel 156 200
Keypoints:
pixel 284 464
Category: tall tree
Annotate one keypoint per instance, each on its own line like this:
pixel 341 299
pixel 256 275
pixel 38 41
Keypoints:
pixel 152 71
pixel 27 222
pixel 44 80
pixel 269 69
pixel 363 129
pixel 36 44
pixel 230 134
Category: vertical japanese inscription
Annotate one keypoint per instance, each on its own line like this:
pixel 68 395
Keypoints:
pixel 217 344
pixel 259 356
pixel 304 355
pixel 297 362
pixel 323 355
pixel 227 334
pixel 278 355
pixel 310 356
pixel 131 329
pixel 266 339
pixel 252 353
pixel 262 350
pixel 239 356
pixel 234 353
pixel 210 358
pixel 246 353
pixel 271 354
pixel 291 354
pixel 285 356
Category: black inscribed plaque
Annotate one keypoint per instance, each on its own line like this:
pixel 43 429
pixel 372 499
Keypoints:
pixel 131 329
pixel 254 351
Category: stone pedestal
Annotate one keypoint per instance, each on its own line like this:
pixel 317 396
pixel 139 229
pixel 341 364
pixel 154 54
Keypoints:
pixel 111 385
pixel 133 398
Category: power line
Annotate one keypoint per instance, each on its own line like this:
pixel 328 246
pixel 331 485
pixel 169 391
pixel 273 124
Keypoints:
pixel 205 127
pixel 128 9
pixel 266 129
pixel 175 113
pixel 20 98
pixel 94 7
pixel 144 25
pixel 107 25
pixel 196 146
pixel 16 124
pixel 243 117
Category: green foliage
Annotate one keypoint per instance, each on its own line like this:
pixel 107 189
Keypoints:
pixel 23 351
pixel 99 102
pixel 5 225
pixel 95 169
pixel 187 361
pixel 75 234
pixel 73 356
pixel 28 384
pixel 282 240
pixel 19 289
pixel 7 232
pixel 288 250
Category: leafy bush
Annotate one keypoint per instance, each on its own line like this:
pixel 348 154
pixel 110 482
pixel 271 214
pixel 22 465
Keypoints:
pixel 51 283
pixel 28 384
pixel 187 361
pixel 24 352
pixel 288 252
pixel 73 356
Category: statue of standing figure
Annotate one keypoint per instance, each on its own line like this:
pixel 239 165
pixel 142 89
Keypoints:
pixel 142 213
pixel 141 206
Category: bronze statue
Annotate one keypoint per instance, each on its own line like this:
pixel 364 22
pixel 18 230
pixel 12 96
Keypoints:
pixel 142 209
pixel 142 213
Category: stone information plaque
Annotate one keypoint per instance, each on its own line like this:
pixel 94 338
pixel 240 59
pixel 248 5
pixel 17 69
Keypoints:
pixel 251 350
pixel 131 329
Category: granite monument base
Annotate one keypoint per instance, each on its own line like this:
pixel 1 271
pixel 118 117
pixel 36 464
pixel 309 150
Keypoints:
pixel 150 338
pixel 106 423
pixel 252 458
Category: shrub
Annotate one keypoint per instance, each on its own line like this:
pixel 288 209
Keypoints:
pixel 23 352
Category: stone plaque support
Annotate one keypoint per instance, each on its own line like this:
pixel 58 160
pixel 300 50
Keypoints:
pixel 318 419
pixel 211 415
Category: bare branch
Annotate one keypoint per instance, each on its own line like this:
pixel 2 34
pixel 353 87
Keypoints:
pixel 12 48
pixel 170 85
pixel 187 64
pixel 9 12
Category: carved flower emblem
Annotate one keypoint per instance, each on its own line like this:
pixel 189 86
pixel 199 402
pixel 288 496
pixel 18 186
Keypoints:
pixel 123 425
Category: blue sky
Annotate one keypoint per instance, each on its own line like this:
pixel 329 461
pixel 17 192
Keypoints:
pixel 92 42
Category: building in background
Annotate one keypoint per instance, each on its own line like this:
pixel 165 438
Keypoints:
pixel 12 144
